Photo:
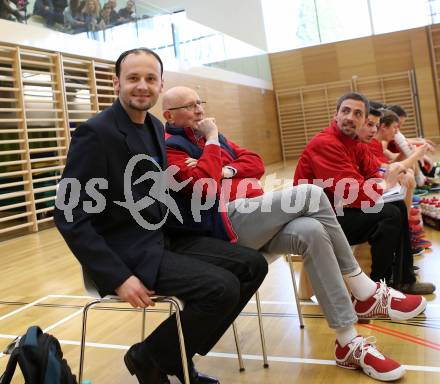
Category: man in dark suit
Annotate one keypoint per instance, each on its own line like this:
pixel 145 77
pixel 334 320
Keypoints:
pixel 126 250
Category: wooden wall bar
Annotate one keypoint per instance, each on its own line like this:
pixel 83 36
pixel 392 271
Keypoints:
pixel 378 55
pixel 45 95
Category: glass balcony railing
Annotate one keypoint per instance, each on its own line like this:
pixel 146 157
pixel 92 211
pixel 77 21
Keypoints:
pixel 179 41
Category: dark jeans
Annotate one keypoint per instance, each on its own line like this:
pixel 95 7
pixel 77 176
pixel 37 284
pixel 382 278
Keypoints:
pixel 388 234
pixel 215 279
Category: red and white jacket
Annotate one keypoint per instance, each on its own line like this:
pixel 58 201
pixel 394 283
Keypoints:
pixel 333 157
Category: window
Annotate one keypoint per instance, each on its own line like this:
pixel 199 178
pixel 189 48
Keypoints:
pixel 289 24
pixel 396 15
pixel 343 19
pixel 294 24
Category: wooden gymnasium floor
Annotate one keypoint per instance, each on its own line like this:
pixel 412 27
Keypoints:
pixel 40 284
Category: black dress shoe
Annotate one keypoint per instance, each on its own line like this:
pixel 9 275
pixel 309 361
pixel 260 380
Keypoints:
pixel 196 377
pixel 146 371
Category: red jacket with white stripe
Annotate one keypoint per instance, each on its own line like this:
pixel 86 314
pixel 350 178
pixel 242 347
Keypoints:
pixel 334 158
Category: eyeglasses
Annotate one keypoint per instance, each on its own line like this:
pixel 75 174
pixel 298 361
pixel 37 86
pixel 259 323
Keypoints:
pixel 190 107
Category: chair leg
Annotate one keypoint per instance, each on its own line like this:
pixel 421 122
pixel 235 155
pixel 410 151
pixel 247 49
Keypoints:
pixel 173 302
pixel 237 345
pixel 181 339
pixel 83 337
pixel 295 289
pixel 144 314
pixel 260 324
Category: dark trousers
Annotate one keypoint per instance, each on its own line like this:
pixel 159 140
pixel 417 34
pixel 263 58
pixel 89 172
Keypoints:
pixel 215 279
pixel 388 234
pixel 51 16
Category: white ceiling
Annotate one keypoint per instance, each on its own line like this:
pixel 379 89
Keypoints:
pixel 240 19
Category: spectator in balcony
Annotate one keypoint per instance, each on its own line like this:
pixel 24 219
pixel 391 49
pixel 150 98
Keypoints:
pixel 104 19
pixel 8 11
pixel 89 15
pixel 113 12
pixel 127 14
pixel 51 11
pixel 72 16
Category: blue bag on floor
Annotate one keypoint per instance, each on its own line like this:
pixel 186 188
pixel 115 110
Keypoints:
pixel 40 359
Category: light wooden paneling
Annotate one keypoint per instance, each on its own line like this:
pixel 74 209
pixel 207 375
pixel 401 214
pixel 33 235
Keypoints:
pixel 321 64
pixel 392 89
pixel 392 52
pixel 287 70
pixel 305 111
pixel 364 57
pixel 423 68
pixel 431 89
pixel 361 58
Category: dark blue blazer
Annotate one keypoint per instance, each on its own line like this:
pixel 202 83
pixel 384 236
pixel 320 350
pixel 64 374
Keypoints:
pixel 110 245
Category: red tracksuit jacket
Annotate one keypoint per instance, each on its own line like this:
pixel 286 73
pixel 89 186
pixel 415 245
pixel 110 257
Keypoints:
pixel 333 156
pixel 248 164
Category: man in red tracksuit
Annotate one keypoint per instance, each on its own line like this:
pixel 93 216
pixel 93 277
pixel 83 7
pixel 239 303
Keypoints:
pixel 298 220
pixel 350 176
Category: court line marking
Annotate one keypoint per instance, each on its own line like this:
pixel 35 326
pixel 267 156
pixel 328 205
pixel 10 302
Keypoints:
pixel 23 308
pixel 283 302
pixel 402 336
pixel 38 301
pixel 71 316
pixel 265 302
pixel 62 321
pixel 270 302
pixel 300 360
pixel 70 296
pixel 281 359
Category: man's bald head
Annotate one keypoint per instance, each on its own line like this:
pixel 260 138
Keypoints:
pixel 177 97
pixel 182 107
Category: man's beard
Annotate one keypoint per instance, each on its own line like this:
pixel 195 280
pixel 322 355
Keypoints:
pixel 140 107
pixel 348 129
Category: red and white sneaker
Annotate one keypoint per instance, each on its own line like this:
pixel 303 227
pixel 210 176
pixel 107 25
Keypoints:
pixel 360 353
pixel 387 302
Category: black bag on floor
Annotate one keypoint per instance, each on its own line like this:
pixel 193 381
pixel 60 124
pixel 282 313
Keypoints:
pixel 40 359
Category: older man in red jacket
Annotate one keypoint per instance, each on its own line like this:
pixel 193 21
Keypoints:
pixel 297 220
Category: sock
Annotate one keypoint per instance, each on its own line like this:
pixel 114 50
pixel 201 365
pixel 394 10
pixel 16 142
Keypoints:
pixel 345 334
pixel 360 285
